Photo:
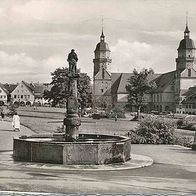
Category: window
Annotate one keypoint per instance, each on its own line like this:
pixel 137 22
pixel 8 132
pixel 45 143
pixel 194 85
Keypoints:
pixel 15 96
pixel 102 90
pixel 4 96
pixel 29 96
pixel 0 91
pixel 18 96
pixel 103 73
pixel 21 96
pixel 189 72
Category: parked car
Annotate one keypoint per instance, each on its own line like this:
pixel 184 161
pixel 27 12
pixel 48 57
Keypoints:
pixel 96 116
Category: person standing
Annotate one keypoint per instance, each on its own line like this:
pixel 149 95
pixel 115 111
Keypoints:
pixel 16 122
pixel 116 117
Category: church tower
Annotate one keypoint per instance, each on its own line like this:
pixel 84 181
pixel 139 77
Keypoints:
pixel 102 75
pixel 185 68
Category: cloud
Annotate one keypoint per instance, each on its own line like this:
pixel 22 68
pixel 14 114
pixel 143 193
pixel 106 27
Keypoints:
pixel 17 67
pixel 129 55
pixel 59 11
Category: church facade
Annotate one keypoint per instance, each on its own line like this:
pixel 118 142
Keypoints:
pixel 109 89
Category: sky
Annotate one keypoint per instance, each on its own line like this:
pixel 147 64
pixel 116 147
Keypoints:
pixel 37 35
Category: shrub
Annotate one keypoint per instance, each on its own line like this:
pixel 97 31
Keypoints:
pixel 155 130
pixel 179 123
pixel 193 127
pixel 118 110
pixel 183 141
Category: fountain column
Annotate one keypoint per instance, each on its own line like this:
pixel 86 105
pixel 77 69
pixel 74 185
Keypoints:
pixel 72 120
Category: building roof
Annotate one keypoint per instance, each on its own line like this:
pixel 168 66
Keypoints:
pixel 3 88
pixel 190 95
pixel 116 77
pixel 37 89
pixel 123 82
pixel 190 91
pixel 120 80
pixel 102 45
pixel 186 43
pixel 163 80
pixel 9 87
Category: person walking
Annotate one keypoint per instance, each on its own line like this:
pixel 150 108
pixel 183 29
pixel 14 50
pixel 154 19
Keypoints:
pixel 2 115
pixel 16 122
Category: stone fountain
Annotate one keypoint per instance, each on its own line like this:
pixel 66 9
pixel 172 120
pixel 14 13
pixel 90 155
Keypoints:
pixel 72 148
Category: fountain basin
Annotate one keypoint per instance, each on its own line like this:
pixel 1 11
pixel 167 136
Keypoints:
pixel 90 149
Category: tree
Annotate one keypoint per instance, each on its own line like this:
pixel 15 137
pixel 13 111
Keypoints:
pixel 138 85
pixel 59 91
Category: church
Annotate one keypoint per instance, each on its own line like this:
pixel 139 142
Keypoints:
pixel 173 88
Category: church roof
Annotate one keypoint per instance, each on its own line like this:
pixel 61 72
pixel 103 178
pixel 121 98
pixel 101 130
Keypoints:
pixel 163 80
pixel 116 77
pixel 123 82
pixel 186 43
pixel 102 46
pixel 120 80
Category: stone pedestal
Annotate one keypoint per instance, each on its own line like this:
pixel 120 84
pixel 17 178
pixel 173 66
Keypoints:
pixel 72 120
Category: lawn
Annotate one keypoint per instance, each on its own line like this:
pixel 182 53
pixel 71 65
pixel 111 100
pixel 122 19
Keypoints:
pixel 48 120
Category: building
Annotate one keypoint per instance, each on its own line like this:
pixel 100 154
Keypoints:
pixel 171 86
pixel 3 95
pixel 189 102
pixel 102 77
pixel 29 93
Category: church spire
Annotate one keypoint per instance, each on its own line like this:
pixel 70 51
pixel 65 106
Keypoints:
pixel 186 31
pixel 102 37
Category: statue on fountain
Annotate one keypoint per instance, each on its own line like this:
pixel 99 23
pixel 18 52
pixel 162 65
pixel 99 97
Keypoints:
pixel 72 120
pixel 72 60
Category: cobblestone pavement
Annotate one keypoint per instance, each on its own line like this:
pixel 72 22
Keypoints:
pixel 11 193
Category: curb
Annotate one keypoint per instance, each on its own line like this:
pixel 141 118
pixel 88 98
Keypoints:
pixel 137 161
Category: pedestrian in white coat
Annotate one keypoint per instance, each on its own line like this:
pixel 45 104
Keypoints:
pixel 16 122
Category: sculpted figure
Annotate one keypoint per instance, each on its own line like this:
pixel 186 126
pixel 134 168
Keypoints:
pixel 72 60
